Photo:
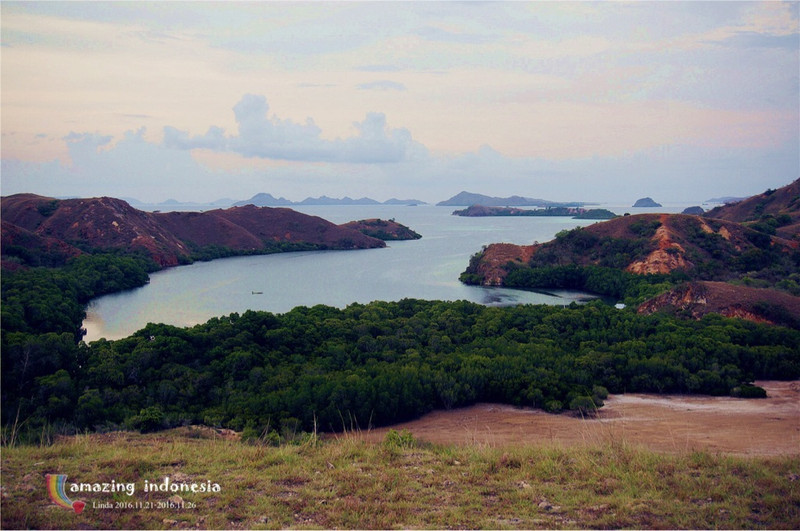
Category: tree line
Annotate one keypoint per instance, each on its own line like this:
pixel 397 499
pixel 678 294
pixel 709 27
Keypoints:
pixel 364 365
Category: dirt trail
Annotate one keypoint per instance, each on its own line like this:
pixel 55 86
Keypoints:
pixel 664 423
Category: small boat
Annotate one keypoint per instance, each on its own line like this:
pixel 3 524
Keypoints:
pixel 257 292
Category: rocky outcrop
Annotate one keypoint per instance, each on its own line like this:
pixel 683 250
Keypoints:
pixel 669 256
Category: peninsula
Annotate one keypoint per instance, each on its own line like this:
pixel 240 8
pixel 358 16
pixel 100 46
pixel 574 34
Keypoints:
pixel 37 228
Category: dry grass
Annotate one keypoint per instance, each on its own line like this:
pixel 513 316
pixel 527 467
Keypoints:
pixel 350 483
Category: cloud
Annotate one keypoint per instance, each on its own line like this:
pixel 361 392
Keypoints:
pixel 375 143
pixel 262 136
pixel 382 85
pixel 378 68
pixel 436 34
pixel 213 139
pixel 134 167
pixel 750 39
pixel 129 167
pixel 269 137
pixel 82 146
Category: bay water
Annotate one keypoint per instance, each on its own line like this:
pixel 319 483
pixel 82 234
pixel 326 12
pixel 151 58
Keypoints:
pixel 427 268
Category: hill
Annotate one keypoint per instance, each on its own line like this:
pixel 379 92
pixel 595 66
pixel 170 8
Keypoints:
pixel 697 299
pixel 642 244
pixel 774 212
pixel 67 227
pixel 634 258
pixel 383 229
pixel 469 199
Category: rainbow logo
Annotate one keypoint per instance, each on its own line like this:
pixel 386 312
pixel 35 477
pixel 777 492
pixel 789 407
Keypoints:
pixel 55 488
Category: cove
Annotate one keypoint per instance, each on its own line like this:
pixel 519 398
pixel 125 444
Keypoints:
pixel 426 269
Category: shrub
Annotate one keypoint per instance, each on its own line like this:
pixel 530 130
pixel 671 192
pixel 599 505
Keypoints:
pixel 399 439
pixel 749 391
pixel 553 406
pixel 584 405
pixel 149 419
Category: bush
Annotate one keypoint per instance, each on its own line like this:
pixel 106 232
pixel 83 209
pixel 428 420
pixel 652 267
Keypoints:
pixel 264 436
pixel 149 419
pixel 584 405
pixel 749 391
pixel 599 393
pixel 402 439
pixel 553 406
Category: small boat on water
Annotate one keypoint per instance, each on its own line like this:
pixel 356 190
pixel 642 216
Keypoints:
pixel 257 292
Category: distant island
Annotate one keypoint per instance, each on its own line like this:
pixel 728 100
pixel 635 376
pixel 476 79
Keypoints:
pixel 694 211
pixel 386 230
pixel 470 199
pixel 573 212
pixel 264 199
pixel 646 202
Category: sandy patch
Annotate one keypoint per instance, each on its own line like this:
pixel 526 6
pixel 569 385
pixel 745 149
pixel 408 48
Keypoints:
pixel 666 423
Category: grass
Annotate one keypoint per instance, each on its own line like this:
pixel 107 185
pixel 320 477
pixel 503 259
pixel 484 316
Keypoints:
pixel 401 483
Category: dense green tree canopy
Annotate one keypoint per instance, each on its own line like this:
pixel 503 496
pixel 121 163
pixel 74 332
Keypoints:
pixel 363 365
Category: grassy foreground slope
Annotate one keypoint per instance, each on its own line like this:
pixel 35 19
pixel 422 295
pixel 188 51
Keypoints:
pixel 400 483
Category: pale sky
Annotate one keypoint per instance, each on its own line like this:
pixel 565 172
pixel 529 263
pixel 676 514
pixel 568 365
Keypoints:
pixel 584 101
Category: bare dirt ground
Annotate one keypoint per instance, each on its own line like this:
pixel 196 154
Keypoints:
pixel 664 423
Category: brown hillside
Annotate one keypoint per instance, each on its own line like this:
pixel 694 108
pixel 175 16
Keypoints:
pixel 651 243
pixel 251 228
pixel 108 223
pixel 697 299
pixel 491 265
pixel 15 236
pixel 784 200
pixel 99 222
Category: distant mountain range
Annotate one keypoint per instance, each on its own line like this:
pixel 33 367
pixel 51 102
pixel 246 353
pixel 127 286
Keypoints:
pixel 264 199
pixel 470 199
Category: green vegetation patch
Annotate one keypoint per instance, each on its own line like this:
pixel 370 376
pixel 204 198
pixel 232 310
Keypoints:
pixel 329 369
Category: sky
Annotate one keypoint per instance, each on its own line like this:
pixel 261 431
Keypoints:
pixel 583 101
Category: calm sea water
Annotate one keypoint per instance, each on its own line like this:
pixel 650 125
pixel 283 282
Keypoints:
pixel 426 269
